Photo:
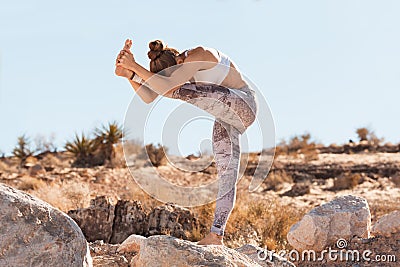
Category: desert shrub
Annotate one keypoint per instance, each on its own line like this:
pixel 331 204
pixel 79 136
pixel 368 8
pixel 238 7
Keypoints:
pixel 82 148
pixel 66 196
pixel 51 160
pixel 266 218
pixel 298 145
pixel 366 134
pixel 156 154
pixel 276 179
pixel 362 133
pixel 133 147
pixel 346 181
pixel 44 144
pixel 30 183
pixel 22 150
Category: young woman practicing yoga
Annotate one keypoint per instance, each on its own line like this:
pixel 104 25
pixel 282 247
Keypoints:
pixel 201 73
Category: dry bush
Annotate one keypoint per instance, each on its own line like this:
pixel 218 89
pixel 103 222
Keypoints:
pixel 276 179
pixel 366 134
pixel 133 147
pixel 28 183
pixel 156 155
pixel 51 160
pixel 253 220
pixel 266 218
pixel 298 145
pixel 346 181
pixel 67 196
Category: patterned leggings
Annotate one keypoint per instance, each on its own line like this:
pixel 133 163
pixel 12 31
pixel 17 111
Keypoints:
pixel 235 111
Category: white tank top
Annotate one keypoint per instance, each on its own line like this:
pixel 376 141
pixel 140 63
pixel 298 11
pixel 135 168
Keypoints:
pixel 217 74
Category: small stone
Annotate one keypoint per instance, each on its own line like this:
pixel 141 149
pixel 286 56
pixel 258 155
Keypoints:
pixel 387 225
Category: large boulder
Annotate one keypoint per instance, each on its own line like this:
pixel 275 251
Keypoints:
pixel 33 233
pixel 341 218
pixel 162 250
pixel 387 225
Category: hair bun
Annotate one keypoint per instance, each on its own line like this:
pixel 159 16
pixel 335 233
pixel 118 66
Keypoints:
pixel 156 48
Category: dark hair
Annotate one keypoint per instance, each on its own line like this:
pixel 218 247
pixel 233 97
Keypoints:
pixel 160 57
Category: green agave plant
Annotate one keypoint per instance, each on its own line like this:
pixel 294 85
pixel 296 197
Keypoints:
pixel 107 137
pixel 82 148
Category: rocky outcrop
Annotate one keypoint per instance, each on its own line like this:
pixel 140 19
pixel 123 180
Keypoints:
pixel 341 218
pixel 32 233
pixel 97 220
pixel 163 250
pixel 387 225
pixel 171 219
pixel 129 218
pixel 113 224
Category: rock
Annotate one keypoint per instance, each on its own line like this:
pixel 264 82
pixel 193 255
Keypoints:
pixel 130 218
pixel 171 219
pixel 36 170
pixel 106 255
pixel 33 233
pixel 97 220
pixel 387 225
pixel 264 257
pixel 298 189
pixel 161 250
pixel 341 218
pixel 30 161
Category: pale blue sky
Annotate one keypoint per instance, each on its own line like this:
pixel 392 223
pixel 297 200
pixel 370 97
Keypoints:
pixel 326 67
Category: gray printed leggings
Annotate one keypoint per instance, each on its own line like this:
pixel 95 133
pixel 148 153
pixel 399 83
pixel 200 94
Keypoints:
pixel 235 111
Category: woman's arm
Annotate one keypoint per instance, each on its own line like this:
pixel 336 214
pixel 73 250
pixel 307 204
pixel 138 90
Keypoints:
pixel 143 91
pixel 162 84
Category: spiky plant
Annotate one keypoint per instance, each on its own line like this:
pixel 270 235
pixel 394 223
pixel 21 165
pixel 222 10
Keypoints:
pixel 82 148
pixel 106 137
pixel 22 151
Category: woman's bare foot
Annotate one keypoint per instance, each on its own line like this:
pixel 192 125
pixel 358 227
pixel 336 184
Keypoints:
pixel 120 71
pixel 211 239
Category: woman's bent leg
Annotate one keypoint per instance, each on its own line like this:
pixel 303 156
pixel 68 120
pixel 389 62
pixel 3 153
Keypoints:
pixel 226 147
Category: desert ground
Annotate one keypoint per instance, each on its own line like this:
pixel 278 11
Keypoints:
pixel 297 182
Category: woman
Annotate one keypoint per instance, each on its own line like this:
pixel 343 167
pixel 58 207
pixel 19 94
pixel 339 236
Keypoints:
pixel 208 79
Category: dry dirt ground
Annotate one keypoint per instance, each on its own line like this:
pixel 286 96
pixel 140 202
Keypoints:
pixel 70 188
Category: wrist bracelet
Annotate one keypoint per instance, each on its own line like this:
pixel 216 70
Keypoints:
pixel 136 78
pixel 133 75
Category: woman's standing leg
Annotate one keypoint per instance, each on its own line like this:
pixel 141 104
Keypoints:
pixel 226 147
pixel 229 109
